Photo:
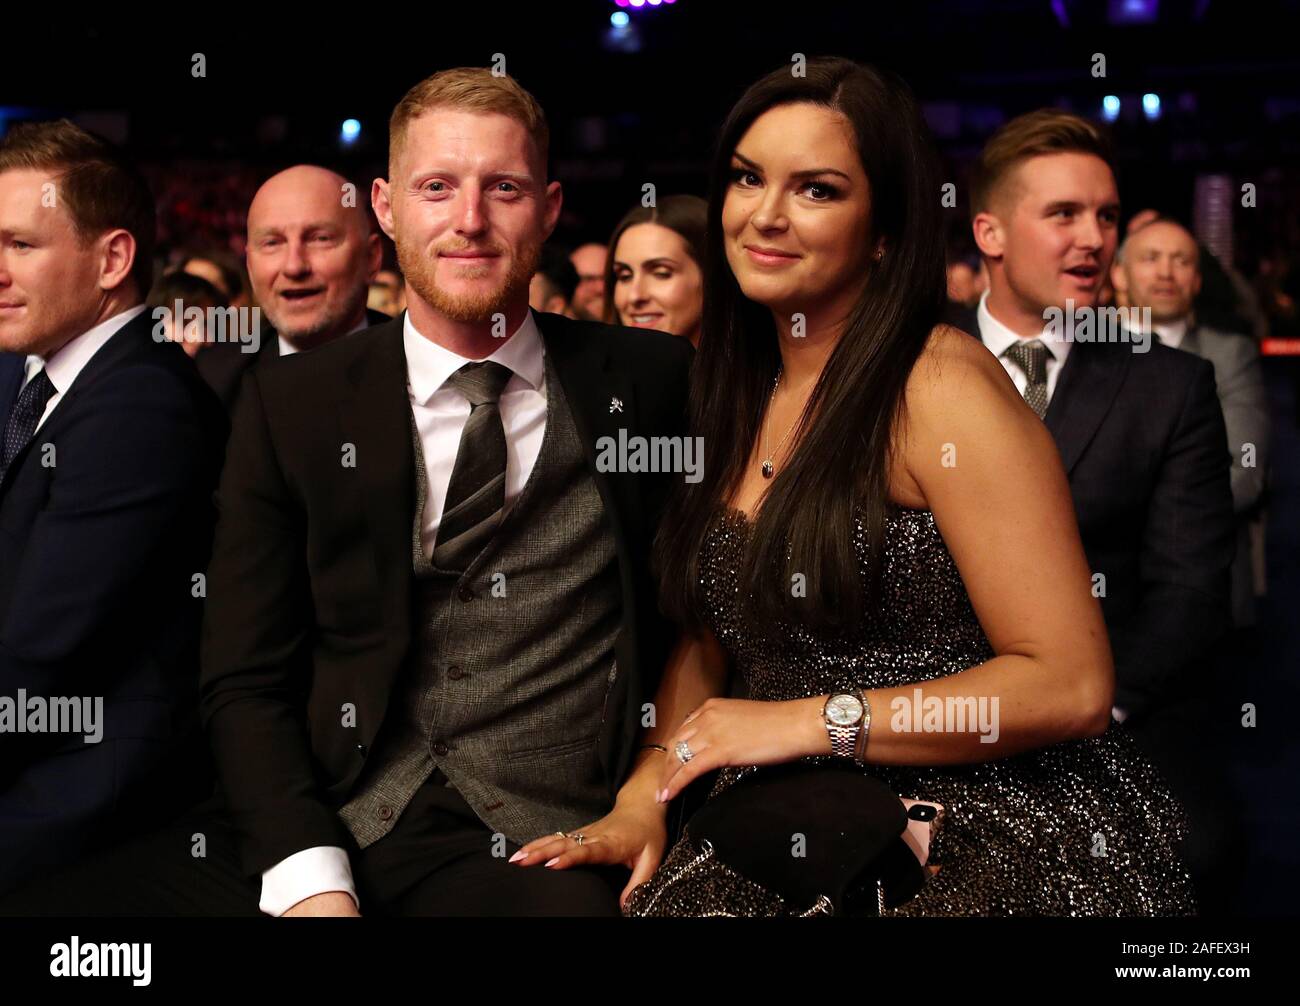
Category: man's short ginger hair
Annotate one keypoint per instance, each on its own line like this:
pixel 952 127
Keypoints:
pixel 470 89
pixel 1045 131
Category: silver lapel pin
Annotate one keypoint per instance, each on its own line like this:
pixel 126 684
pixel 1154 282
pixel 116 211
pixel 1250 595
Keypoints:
pixel 615 405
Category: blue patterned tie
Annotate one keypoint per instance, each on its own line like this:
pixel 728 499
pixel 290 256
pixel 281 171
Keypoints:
pixel 23 417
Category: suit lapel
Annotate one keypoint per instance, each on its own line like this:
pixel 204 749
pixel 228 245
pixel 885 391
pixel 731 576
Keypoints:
pixel 129 340
pixel 602 400
pixel 1085 391
pixel 375 416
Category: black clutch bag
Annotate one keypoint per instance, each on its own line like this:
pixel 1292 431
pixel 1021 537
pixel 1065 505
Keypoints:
pixel 812 839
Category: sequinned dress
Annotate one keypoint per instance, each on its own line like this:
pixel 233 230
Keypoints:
pixel 1081 828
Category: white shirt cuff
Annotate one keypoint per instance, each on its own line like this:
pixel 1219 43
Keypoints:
pixel 1117 714
pixel 313 871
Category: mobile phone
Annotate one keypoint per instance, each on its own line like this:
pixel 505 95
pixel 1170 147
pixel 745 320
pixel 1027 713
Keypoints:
pixel 923 819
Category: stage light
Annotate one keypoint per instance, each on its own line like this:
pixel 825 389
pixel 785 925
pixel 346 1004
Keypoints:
pixel 1151 105
pixel 1110 107
pixel 619 19
pixel 350 131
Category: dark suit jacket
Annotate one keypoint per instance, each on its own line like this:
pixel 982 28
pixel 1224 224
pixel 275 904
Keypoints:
pixel 223 365
pixel 294 625
pixel 97 554
pixel 1142 439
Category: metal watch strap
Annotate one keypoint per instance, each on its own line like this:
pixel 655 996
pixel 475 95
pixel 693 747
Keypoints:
pixel 842 740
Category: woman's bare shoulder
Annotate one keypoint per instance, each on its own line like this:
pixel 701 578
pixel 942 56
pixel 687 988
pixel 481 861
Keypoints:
pixel 956 373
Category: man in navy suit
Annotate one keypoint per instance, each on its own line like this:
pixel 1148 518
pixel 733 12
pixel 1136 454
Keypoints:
pixel 111 448
pixel 1142 438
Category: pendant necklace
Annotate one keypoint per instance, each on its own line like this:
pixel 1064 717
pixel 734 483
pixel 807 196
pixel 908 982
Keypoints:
pixel 769 467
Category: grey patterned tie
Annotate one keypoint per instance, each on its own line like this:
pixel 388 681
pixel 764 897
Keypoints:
pixel 477 494
pixel 27 410
pixel 1031 357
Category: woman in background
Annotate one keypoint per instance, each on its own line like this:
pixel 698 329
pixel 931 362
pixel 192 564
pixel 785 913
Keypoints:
pixel 653 276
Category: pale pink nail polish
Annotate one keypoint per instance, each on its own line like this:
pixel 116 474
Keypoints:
pixel 552 862
pixel 517 856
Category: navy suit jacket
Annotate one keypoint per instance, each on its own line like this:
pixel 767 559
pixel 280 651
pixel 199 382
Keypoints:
pixel 1142 439
pixel 105 518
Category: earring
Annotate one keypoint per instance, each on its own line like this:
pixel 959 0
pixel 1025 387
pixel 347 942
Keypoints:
pixel 880 255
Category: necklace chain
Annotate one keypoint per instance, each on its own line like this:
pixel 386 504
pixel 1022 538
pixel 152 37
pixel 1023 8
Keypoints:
pixel 769 467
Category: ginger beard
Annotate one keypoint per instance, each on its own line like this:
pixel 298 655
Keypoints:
pixel 420 270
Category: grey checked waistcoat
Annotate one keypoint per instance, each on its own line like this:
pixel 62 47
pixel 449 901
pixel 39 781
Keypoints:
pixel 511 663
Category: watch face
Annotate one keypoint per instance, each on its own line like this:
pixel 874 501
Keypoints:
pixel 844 710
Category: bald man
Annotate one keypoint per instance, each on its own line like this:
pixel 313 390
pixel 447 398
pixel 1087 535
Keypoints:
pixel 311 257
pixel 1159 267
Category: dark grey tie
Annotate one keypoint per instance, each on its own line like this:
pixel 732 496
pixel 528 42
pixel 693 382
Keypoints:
pixel 1031 358
pixel 477 494
pixel 26 413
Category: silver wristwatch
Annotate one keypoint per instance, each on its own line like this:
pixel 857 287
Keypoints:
pixel 847 717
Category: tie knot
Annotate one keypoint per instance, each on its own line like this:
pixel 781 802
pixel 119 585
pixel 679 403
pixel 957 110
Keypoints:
pixel 1031 357
pixel 36 394
pixel 481 383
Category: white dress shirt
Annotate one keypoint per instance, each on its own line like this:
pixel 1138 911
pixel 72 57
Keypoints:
pixel 65 363
pixel 1171 333
pixel 998 338
pixel 440 416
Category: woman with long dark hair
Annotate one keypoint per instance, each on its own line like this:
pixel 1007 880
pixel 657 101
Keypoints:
pixel 654 271
pixel 883 535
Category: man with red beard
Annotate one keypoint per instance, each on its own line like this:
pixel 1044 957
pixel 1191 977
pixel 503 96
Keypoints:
pixel 430 627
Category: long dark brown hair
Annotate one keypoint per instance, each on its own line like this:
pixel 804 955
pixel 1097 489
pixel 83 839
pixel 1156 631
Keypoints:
pixel 840 472
pixel 686 215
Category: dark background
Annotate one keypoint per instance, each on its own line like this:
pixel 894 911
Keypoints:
pixel 645 105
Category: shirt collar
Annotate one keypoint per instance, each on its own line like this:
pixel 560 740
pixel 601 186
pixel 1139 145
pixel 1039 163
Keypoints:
pixel 65 363
pixel 1171 333
pixel 428 365
pixel 998 338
